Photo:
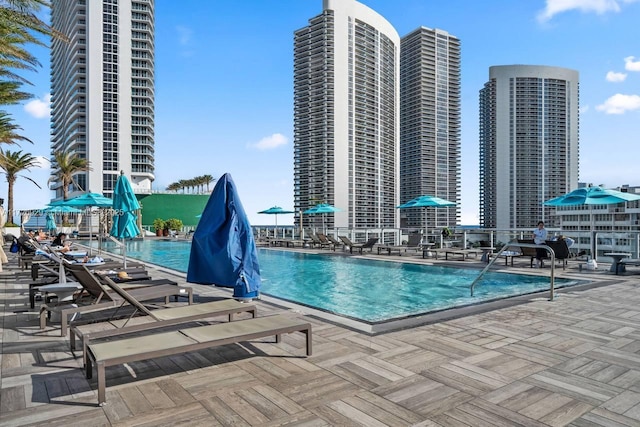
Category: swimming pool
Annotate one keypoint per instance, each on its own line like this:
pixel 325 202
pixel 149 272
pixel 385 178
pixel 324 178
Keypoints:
pixel 364 289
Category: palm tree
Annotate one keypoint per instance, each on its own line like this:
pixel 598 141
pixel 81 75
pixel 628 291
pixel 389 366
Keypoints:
pixel 7 130
pixel 66 166
pixel 208 179
pixel 18 22
pixel 12 164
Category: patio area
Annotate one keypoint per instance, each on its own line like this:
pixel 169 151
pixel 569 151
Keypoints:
pixel 571 361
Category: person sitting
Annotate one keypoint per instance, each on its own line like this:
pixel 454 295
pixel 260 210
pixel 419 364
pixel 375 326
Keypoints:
pixel 27 243
pixel 59 240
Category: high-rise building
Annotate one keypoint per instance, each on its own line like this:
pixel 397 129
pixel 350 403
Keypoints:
pixel 102 91
pixel 430 125
pixel 528 143
pixel 346 121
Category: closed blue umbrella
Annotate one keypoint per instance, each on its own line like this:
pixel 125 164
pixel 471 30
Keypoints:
pixel 223 251
pixel 124 220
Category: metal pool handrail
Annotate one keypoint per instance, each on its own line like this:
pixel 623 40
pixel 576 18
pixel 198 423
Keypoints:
pixel 550 251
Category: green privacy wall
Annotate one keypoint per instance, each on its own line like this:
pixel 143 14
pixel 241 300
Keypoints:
pixel 182 206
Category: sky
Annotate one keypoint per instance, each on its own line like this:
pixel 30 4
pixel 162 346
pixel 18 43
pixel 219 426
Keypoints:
pixel 224 87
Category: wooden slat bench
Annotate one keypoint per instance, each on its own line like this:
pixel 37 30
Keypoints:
pixel 150 346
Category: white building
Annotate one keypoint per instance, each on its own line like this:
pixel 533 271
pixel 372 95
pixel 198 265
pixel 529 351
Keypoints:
pixel 430 125
pixel 102 90
pixel 346 121
pixel 528 143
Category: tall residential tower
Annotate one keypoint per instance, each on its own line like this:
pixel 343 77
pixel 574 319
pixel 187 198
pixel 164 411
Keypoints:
pixel 346 121
pixel 430 125
pixel 528 143
pixel 102 90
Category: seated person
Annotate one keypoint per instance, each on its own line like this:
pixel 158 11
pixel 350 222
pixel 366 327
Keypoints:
pixel 27 242
pixel 59 240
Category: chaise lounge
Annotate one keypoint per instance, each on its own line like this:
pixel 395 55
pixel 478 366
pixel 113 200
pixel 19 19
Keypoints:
pixel 100 299
pixel 369 244
pixel 117 352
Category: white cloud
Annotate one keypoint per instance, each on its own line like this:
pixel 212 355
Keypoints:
pixel 619 104
pixel 184 35
pixel 270 142
pixel 584 109
pixel 614 77
pixel 39 108
pixel 630 64
pixel 599 7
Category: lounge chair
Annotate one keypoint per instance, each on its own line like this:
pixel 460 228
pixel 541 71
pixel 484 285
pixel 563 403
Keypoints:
pixel 532 253
pixel 335 242
pixel 153 319
pixel 315 241
pixel 325 242
pixel 414 243
pixel 369 244
pixel 100 299
pixel 561 251
pixel 117 352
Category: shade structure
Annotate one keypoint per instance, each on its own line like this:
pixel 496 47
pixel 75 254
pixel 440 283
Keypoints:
pixel 60 209
pixel 275 210
pixel 592 196
pixel 125 206
pixel 223 251
pixel 322 208
pixel 427 202
pixel 86 200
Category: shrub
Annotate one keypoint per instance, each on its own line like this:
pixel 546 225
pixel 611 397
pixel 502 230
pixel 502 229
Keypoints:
pixel 173 224
pixel 158 224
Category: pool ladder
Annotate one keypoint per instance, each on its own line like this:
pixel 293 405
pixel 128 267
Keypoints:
pixel 493 259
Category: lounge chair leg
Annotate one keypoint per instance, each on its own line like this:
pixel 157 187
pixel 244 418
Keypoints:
pixel 278 338
pixel 309 343
pixel 43 316
pixel 102 398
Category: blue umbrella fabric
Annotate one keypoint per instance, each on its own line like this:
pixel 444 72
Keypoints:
pixel 60 209
pixel 124 220
pixel 86 200
pixel 592 196
pixel 275 210
pixel 322 208
pixel 223 251
pixel 426 201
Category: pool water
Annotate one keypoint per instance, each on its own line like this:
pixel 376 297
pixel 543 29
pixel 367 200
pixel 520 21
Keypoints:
pixel 364 289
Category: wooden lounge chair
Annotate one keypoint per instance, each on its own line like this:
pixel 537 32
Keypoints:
pixel 100 299
pixel 335 242
pixel 369 244
pixel 117 352
pixel 325 242
pixel 153 319
pixel 527 251
pixel 414 243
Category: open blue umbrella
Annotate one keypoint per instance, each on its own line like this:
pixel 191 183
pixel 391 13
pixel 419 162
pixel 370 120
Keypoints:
pixel 86 200
pixel 592 196
pixel 426 202
pixel 322 208
pixel 223 251
pixel 60 209
pixel 275 210
pixel 124 219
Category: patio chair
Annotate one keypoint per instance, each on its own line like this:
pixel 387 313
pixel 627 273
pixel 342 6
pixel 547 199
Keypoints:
pixel 156 318
pixel 532 253
pixel 369 244
pixel 335 242
pixel 414 243
pixel 561 251
pixel 98 298
pixel 128 350
pixel 325 242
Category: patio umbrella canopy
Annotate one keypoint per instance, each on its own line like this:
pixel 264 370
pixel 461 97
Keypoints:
pixel 124 220
pixel 426 202
pixel 275 211
pixel 592 196
pixel 223 251
pixel 86 200
pixel 322 208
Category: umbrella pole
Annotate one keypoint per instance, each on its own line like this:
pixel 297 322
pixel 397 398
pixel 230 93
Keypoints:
pixel 124 254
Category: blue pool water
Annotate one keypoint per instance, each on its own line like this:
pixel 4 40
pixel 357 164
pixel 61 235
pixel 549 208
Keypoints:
pixel 368 290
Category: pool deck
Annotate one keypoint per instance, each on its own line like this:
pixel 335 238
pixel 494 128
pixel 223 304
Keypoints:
pixel 533 362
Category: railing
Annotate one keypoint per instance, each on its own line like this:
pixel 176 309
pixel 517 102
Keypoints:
pixel 550 251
